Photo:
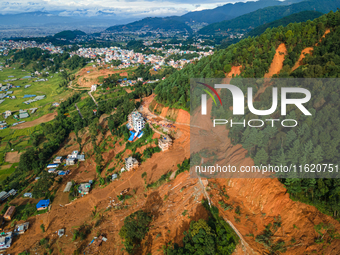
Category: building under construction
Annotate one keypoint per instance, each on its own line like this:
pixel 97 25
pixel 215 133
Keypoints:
pixel 131 163
pixel 165 142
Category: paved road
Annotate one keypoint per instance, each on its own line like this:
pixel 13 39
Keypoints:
pixel 79 111
pixel 94 100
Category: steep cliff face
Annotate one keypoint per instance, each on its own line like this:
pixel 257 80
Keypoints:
pixel 262 202
pixel 252 204
pixel 176 115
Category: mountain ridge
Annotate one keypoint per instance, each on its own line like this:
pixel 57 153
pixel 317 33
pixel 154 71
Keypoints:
pixel 262 16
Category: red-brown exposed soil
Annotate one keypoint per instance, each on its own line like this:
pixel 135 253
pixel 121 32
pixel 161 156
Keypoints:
pixel 260 201
pixel 305 51
pixel 12 157
pixel 235 70
pixel 277 63
pixel 183 117
pixel 326 32
pixel 88 79
pixel 164 111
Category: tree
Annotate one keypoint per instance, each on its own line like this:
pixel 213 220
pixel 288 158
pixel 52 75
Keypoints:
pixel 261 157
pixel 42 226
pixel 134 229
pixel 204 237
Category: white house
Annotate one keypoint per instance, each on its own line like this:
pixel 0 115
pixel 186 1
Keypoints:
pixel 7 114
pixel 93 87
pixel 136 121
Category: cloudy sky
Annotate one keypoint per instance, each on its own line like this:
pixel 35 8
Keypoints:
pixel 132 8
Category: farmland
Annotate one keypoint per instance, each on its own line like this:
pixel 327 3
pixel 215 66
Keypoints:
pixel 49 88
pixel 20 137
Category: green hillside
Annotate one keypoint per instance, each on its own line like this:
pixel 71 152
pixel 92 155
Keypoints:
pixel 296 17
pixel 69 35
pixel 150 24
pixel 229 11
pixel 316 140
pixel 257 18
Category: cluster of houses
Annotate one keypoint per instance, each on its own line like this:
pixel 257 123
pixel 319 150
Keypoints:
pixel 23 114
pixel 83 188
pixel 129 58
pixel 135 124
pixel 7 93
pixel 70 160
pixel 37 98
pixel 6 239
pixel 20 45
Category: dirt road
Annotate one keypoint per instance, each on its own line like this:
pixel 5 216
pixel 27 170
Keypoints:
pixel 43 119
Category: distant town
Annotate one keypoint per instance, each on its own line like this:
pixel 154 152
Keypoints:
pixel 127 57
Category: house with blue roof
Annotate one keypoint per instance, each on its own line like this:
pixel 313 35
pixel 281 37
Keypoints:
pixel 43 204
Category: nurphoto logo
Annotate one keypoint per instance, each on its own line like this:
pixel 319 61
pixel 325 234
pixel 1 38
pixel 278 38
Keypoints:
pixel 239 106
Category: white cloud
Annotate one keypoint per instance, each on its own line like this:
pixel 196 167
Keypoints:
pixel 134 8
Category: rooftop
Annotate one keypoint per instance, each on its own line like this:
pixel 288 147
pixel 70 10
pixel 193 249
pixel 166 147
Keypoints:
pixel 131 160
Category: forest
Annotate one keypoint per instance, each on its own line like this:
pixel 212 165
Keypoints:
pixel 155 23
pixel 69 35
pixel 209 237
pixel 296 17
pixel 316 138
pixel 37 59
pixel 262 16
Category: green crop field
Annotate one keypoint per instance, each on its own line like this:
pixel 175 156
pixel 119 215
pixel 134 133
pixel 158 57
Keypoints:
pixel 6 171
pixel 49 88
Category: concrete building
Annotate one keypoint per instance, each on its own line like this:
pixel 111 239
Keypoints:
pixel 6 241
pixel 81 157
pixel 71 161
pixel 9 213
pixel 52 170
pixel 7 114
pixel 3 195
pixel 136 121
pixel 20 229
pixel 131 163
pixel 165 142
pixel 12 192
pixel 114 177
pixel 61 232
pixel 84 188
pixel 93 88
pixel 58 160
pixel 73 155
pixel 28 195
pixel 23 115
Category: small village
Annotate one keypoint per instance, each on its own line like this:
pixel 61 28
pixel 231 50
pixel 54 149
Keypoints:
pixel 59 168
